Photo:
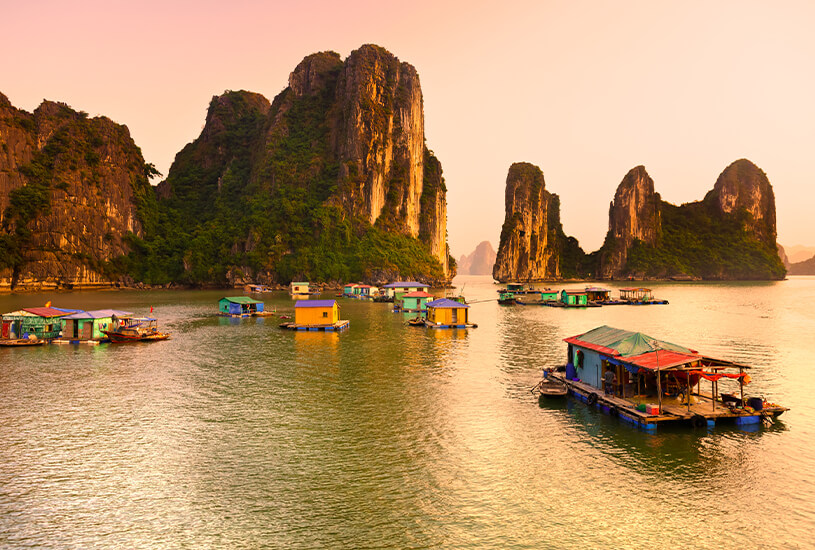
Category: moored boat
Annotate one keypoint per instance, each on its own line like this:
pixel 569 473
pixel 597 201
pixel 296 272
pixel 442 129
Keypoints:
pixel 135 329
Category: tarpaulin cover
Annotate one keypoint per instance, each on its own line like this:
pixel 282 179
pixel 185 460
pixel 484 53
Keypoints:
pixel 713 376
pixel 614 341
pixel 662 359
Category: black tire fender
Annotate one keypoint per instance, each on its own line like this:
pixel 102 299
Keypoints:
pixel 592 399
pixel 612 411
pixel 698 421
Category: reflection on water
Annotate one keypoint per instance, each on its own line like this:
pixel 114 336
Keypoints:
pixel 235 433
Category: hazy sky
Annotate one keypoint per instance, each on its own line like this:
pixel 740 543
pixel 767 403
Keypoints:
pixel 584 90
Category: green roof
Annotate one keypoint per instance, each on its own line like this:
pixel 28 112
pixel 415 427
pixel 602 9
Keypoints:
pixel 241 300
pixel 627 343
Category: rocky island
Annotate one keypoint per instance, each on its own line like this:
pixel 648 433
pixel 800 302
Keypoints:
pixel 330 181
pixel 728 235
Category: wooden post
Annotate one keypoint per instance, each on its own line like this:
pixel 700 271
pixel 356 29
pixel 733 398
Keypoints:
pixel 713 394
pixel 687 373
pixel 659 384
pixel 741 385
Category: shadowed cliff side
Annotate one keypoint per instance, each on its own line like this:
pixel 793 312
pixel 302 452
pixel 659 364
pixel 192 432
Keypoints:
pixel 70 187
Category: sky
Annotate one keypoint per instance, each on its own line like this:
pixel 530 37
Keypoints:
pixel 584 90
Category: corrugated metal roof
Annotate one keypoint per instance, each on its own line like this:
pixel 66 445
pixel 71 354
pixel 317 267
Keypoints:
pixel 417 294
pixel 662 359
pixel 98 314
pixel 446 303
pixel 315 303
pixel 241 300
pixel 45 311
pixel 574 292
pixel 406 284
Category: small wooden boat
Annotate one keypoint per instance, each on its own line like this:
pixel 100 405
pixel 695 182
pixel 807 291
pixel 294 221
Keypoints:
pixel 549 387
pixel 23 342
pixel 135 329
pixel 416 322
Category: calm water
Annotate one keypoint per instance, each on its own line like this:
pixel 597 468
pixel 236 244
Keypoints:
pixel 235 434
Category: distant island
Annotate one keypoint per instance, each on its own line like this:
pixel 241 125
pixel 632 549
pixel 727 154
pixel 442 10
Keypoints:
pixel 728 235
pixel 331 181
pixel 479 261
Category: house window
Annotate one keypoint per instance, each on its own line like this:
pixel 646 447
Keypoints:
pixel 325 314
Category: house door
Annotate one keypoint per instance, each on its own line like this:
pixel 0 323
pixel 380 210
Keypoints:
pixel 454 318
pixel 6 326
pixel 87 330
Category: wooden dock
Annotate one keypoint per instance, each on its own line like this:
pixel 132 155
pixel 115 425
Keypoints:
pixel 339 325
pixel 705 413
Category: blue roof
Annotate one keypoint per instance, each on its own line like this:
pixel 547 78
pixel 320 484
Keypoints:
pixel 98 314
pixel 445 303
pixel 315 303
pixel 406 284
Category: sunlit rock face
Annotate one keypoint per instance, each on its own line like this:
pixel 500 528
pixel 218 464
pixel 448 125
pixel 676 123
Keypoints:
pixel 528 245
pixel 633 215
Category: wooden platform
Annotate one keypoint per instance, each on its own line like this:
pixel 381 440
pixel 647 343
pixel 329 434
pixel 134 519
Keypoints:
pixel 704 413
pixel 339 325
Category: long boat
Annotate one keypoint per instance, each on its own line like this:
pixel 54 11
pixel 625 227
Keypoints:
pixel 22 342
pixel 135 329
pixel 649 383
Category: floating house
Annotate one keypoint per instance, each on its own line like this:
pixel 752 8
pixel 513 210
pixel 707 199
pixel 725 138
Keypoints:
pixel 316 315
pixel 348 290
pixel 518 288
pixel 547 297
pixel 301 288
pixel 364 292
pixel 240 306
pixel 574 298
pixel 653 382
pixel 88 326
pixel 446 313
pixel 639 296
pixel 391 290
pixel 413 302
pixel 257 289
pixel 597 294
pixel 43 323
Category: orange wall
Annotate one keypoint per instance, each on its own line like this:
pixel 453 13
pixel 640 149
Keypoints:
pixel 314 315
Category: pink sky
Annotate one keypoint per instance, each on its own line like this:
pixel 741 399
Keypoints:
pixel 584 90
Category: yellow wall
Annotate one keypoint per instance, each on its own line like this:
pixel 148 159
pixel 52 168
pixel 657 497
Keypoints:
pixel 314 315
pixel 444 316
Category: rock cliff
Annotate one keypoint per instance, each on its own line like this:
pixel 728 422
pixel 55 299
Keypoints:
pixel 332 180
pixel 532 240
pixel 70 187
pixel 730 234
pixel 479 262
pixel 633 216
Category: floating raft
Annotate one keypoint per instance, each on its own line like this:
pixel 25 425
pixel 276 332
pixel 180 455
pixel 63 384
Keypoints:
pixel 429 324
pixel 339 325
pixel 77 341
pixel 706 413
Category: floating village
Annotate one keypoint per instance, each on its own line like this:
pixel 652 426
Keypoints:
pixel 645 382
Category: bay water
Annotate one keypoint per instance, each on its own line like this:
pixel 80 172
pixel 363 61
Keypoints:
pixel 236 434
